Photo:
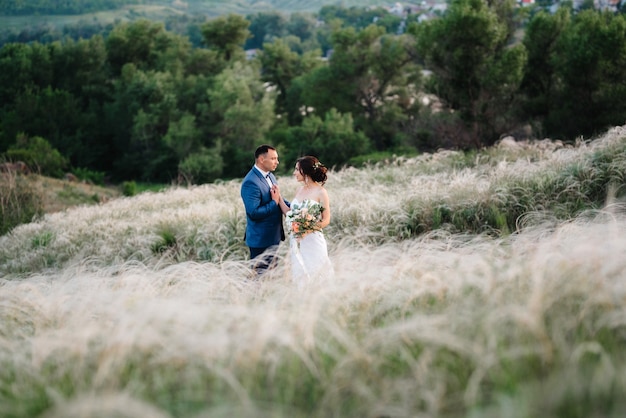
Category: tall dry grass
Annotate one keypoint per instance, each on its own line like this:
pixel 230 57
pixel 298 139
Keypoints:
pixel 485 193
pixel 100 321
pixel 19 203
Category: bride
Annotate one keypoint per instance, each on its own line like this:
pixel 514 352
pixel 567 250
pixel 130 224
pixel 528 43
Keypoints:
pixel 308 214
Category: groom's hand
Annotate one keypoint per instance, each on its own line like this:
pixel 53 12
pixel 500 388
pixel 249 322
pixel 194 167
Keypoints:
pixel 275 194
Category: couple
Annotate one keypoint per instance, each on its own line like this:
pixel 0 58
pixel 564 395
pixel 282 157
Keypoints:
pixel 306 215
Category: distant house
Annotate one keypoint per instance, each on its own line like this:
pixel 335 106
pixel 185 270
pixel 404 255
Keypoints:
pixel 604 5
pixel 607 5
pixel 397 9
pixel 251 53
pixel 179 4
pixel 439 7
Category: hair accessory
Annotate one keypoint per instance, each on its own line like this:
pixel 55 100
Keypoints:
pixel 317 165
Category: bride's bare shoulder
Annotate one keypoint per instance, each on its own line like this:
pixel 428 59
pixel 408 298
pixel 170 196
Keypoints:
pixel 318 195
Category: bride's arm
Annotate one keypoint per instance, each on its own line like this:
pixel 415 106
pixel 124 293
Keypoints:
pixel 283 206
pixel 281 202
pixel 325 202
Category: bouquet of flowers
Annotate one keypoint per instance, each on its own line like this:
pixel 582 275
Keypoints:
pixel 304 217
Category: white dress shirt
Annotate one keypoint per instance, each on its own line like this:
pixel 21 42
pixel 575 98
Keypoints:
pixel 266 175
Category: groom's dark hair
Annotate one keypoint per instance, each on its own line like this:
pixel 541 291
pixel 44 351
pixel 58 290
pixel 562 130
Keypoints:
pixel 263 149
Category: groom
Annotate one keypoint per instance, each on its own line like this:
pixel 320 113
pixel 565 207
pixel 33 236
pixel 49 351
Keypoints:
pixel 264 219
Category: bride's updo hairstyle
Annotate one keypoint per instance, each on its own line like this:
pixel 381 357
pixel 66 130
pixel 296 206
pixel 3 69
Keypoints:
pixel 312 167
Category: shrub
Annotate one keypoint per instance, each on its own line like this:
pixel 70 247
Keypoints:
pixel 129 188
pixel 202 167
pixel 90 176
pixel 37 153
pixel 332 139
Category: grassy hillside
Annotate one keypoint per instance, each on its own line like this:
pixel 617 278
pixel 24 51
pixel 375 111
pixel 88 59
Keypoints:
pixel 152 12
pixel 160 10
pixel 287 6
pixel 58 195
pixel 483 285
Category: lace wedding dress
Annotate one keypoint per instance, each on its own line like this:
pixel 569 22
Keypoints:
pixel 309 257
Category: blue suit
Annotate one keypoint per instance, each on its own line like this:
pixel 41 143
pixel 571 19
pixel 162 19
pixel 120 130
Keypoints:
pixel 264 219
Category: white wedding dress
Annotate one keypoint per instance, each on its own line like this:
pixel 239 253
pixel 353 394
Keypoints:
pixel 309 258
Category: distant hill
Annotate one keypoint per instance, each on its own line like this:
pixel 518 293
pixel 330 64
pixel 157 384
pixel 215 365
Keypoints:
pixel 33 13
pixel 287 6
pixel 209 7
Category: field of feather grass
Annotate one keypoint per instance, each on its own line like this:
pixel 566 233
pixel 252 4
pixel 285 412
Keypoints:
pixel 483 285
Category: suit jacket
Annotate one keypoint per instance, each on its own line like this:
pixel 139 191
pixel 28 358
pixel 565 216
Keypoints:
pixel 264 219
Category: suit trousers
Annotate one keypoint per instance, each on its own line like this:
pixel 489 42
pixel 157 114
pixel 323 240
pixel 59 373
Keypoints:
pixel 263 259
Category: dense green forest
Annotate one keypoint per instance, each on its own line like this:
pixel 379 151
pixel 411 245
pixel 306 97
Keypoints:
pixel 183 100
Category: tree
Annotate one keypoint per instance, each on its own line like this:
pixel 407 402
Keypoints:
pixel 476 70
pixel 51 113
pixel 590 82
pixel 368 73
pixel 227 35
pixel 23 67
pixel 143 108
pixel 265 27
pixel 15 78
pixel 244 111
pixel 55 91
pixel 182 136
pixel 332 139
pixel 540 39
pixel 80 67
pixel 280 66
pixel 147 45
pixel 301 25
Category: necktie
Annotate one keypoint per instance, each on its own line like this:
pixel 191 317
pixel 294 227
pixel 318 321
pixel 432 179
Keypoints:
pixel 269 180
